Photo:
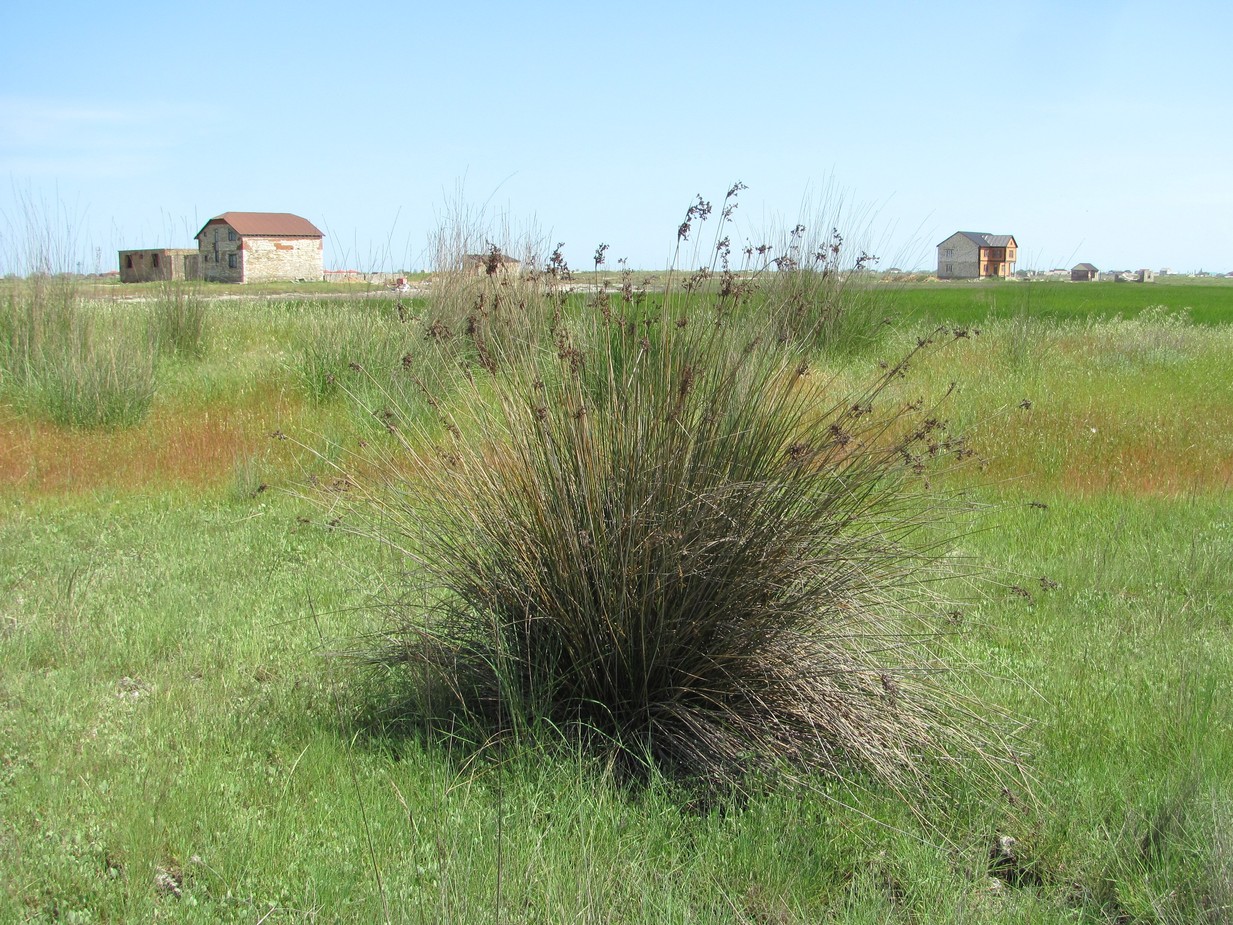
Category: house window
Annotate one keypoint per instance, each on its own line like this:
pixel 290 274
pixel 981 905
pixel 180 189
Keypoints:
pixel 950 252
pixel 154 258
pixel 231 261
pixel 230 234
pixel 950 268
pixel 128 261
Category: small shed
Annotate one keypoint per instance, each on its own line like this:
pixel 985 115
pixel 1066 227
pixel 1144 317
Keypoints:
pixel 152 264
pixel 1083 273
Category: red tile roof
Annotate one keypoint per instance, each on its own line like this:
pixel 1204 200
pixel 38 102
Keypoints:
pixel 267 224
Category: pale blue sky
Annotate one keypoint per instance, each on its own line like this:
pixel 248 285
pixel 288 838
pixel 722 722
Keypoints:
pixel 1098 131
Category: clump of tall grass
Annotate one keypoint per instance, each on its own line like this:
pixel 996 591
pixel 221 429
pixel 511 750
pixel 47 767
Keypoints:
pixel 1156 336
pixel 816 294
pixel 180 320
pixel 810 283
pixel 73 366
pixel 482 305
pixel 339 339
pixel 662 532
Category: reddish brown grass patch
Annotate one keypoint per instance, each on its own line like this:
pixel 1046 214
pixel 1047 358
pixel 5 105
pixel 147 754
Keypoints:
pixel 1095 451
pixel 195 447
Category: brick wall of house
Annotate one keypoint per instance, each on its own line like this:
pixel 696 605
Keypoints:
pixel 221 261
pixel 282 258
pixel 958 258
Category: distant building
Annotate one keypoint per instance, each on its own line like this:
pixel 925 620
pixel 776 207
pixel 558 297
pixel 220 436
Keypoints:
pixel 1129 276
pixel 493 263
pixel 158 263
pixel 343 276
pixel 976 255
pixel 248 247
pixel 1084 273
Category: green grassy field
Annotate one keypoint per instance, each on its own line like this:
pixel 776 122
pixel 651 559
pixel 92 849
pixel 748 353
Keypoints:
pixel 177 744
pixel 1205 301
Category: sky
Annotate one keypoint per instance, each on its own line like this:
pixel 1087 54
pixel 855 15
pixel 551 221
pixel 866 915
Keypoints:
pixel 1098 131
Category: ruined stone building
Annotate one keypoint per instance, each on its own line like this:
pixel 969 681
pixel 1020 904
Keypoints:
pixel 158 263
pixel 248 247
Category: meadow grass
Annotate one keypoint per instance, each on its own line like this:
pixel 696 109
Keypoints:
pixel 1132 405
pixel 1207 303
pixel 167 709
pixel 176 745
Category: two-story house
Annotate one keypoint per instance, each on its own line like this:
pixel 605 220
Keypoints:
pixel 976 255
pixel 247 247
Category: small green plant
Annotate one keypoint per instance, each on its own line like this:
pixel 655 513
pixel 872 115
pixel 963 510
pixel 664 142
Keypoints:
pixel 1219 856
pixel 247 477
pixel 1024 337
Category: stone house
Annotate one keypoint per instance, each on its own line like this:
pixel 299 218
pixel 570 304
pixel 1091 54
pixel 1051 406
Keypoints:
pixel 1084 273
pixel 493 263
pixel 158 263
pixel 976 255
pixel 249 247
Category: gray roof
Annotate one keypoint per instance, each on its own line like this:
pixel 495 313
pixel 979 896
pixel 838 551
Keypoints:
pixel 982 239
pixel 1085 266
